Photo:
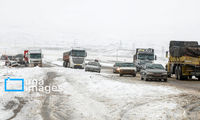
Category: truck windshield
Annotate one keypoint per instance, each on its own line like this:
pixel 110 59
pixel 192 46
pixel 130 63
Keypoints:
pixel 78 53
pixel 146 57
pixel 35 56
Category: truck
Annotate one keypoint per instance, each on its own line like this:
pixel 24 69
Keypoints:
pixel 143 56
pixel 33 57
pixel 75 58
pixel 183 59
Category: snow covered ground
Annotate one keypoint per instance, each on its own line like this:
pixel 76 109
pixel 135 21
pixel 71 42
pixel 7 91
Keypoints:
pixel 87 96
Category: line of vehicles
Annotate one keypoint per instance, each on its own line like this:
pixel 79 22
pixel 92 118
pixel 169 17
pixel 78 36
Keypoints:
pixel 30 58
pixel 183 61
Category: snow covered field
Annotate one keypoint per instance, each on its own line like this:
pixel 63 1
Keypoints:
pixel 87 96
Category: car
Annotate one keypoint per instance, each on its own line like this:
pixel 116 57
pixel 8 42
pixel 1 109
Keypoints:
pixel 116 67
pixel 11 63
pixel 93 67
pixel 19 58
pixel 153 72
pixel 127 68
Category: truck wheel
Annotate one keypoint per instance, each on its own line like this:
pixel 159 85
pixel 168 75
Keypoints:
pixel 165 80
pixel 145 79
pixel 199 78
pixel 64 64
pixel 120 75
pixel 142 78
pixel 180 76
pixel 176 72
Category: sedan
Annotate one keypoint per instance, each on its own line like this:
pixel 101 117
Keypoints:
pixel 127 69
pixel 153 72
pixel 93 67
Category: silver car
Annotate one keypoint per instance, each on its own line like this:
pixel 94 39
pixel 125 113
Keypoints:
pixel 93 67
pixel 153 72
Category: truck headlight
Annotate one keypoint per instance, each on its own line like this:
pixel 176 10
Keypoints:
pixel 118 69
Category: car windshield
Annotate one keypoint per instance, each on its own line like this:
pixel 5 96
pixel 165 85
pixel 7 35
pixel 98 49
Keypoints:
pixel 146 57
pixel 78 53
pixel 118 64
pixel 93 63
pixel 154 66
pixel 35 56
pixel 127 65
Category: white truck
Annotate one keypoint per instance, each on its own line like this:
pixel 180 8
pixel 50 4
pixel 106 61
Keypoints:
pixel 75 58
pixel 33 57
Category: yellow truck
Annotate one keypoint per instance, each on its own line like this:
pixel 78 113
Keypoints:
pixel 184 59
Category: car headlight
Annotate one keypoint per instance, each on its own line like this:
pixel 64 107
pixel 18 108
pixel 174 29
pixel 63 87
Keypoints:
pixel 118 69
pixel 164 73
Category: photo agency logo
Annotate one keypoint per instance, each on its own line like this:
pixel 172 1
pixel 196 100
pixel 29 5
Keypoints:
pixel 19 85
pixel 14 84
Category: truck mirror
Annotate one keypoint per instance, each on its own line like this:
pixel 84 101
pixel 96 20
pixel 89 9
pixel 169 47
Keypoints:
pixel 166 54
pixel 155 57
pixel 86 54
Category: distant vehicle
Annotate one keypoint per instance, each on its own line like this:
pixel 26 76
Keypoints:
pixel 74 58
pixel 143 56
pixel 184 59
pixel 127 68
pixel 10 57
pixel 19 58
pixel 11 63
pixel 93 67
pixel 14 64
pixel 33 57
pixel 153 72
pixel 116 67
pixel 4 57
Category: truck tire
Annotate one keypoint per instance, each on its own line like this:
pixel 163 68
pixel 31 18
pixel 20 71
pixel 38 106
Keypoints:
pixel 120 75
pixel 165 80
pixel 180 75
pixel 176 72
pixel 145 79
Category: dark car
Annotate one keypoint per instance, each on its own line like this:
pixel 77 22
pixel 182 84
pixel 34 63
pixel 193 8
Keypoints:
pixel 127 69
pixel 93 67
pixel 153 72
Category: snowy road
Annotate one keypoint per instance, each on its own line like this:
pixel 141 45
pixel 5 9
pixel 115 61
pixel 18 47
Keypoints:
pixel 93 96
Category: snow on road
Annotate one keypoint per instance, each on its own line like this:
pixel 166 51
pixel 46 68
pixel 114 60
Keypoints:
pixel 88 96
pixel 95 97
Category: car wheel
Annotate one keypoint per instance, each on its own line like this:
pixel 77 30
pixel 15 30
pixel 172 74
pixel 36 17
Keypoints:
pixel 145 79
pixel 142 78
pixel 134 75
pixel 165 80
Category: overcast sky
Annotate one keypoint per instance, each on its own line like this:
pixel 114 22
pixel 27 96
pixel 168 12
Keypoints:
pixel 101 20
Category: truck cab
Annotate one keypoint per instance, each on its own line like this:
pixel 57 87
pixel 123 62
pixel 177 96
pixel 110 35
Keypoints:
pixel 75 58
pixel 33 57
pixel 143 56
